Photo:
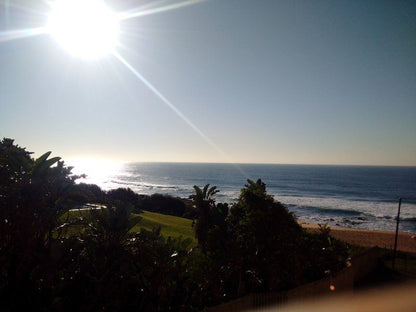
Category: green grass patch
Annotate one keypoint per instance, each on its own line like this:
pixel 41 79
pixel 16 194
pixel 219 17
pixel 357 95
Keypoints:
pixel 170 225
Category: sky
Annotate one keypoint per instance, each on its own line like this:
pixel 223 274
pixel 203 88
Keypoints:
pixel 247 81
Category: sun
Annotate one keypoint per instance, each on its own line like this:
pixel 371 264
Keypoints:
pixel 84 28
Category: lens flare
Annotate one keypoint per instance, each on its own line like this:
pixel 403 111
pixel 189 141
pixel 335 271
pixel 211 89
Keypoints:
pixel 21 33
pixel 143 11
pixel 177 111
pixel 89 29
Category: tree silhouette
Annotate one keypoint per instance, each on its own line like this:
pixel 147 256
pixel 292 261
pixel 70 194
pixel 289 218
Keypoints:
pixel 205 207
pixel 265 236
pixel 52 258
pixel 33 196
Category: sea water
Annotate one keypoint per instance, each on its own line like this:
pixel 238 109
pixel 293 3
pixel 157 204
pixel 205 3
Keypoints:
pixel 349 196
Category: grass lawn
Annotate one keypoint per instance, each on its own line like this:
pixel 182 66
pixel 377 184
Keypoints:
pixel 170 225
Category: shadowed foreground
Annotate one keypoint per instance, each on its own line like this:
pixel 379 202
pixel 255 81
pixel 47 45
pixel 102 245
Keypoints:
pixel 55 258
pixel 400 298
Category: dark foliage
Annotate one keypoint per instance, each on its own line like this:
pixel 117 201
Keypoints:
pixel 205 213
pixel 126 196
pixel 266 239
pixel 164 204
pixel 256 245
pixel 87 193
pixel 259 246
pixel 33 195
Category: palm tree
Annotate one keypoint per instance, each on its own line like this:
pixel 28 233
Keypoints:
pixel 205 207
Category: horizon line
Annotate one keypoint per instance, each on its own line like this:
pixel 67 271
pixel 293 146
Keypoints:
pixel 240 163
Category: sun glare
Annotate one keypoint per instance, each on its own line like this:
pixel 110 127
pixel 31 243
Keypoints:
pixel 85 28
pixel 98 170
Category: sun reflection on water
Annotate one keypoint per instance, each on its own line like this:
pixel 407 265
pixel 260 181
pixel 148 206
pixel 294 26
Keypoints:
pixel 98 171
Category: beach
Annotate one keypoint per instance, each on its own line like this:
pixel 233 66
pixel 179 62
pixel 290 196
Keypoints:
pixel 369 238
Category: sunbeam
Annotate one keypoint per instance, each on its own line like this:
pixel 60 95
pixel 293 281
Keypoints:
pixel 176 110
pixel 142 11
pixel 9 35
pixel 75 24
pixel 167 102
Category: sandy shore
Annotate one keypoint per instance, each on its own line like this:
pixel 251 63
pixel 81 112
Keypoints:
pixel 370 238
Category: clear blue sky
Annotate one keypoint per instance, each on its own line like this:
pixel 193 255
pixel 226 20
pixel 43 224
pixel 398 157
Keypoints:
pixel 267 81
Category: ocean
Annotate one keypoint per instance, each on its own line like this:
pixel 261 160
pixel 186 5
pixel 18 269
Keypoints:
pixel 349 196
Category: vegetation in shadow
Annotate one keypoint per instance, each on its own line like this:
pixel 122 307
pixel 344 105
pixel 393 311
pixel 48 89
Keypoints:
pixel 56 260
